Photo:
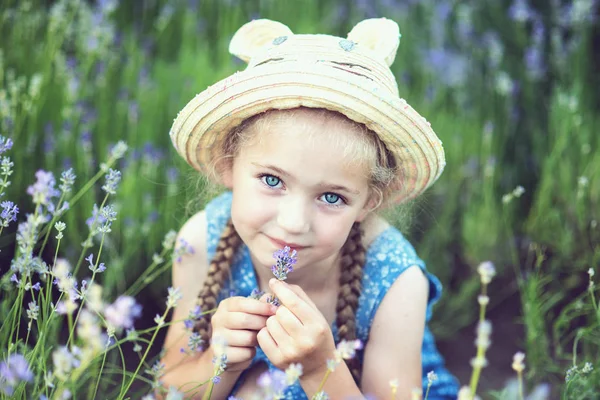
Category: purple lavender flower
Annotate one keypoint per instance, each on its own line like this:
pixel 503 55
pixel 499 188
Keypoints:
pixel 195 342
pixel 273 383
pixel 9 213
pixel 5 144
pixel 122 312
pixel 13 278
pixel 43 190
pixel 14 371
pixel 193 316
pixel 256 294
pixel 112 181
pixel 520 11
pixel 216 379
pixel 284 263
pixel 67 179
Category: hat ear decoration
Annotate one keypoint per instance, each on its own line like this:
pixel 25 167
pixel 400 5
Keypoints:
pixel 254 35
pixel 380 35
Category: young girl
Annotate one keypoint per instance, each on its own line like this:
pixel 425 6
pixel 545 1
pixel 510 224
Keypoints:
pixel 310 140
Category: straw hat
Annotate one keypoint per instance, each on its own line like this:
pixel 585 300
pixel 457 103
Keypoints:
pixel 287 70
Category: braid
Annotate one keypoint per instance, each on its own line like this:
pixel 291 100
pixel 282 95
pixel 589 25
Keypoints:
pixel 353 260
pixel 218 272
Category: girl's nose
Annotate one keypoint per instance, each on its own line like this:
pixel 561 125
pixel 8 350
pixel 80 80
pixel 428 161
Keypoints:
pixel 294 215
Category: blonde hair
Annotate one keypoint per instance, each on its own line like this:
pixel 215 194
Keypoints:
pixel 361 146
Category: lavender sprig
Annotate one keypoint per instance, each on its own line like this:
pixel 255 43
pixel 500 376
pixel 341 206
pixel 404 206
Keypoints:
pixel 283 266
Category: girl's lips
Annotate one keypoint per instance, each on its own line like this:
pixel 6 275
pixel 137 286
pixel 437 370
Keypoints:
pixel 281 244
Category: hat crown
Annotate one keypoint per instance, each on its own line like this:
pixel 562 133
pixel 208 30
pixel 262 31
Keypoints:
pixel 369 49
pixel 329 52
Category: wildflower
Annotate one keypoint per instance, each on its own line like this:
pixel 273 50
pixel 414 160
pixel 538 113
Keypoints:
pixel 346 350
pixel 88 329
pixel 193 316
pixel 216 379
pixel 5 144
pixel 465 393
pixel 220 358
pixel 108 215
pixel 292 373
pixel 157 371
pixel 173 297
pixel 43 190
pixel 112 181
pixel 157 259
pixel 520 11
pixel 582 181
pixel 121 313
pixel 6 169
pixel 67 179
pixel 517 364
pixel 195 342
pixel 9 213
pixel 256 294
pixel 587 368
pixel 431 377
pixel 331 364
pixel 118 151
pixel 13 278
pixel 591 272
pixel 483 300
pixel 486 271
pixel 174 394
pixel 160 320
pixel 169 240
pixel 13 371
pixel 273 383
pixel 64 361
pixel 284 263
pixel 181 250
pixel 415 394
pixel 33 310
pixel 484 329
pixel 321 396
pixel 93 267
pixel 571 372
pixel 60 227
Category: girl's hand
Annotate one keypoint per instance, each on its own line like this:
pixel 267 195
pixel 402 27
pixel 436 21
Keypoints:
pixel 297 333
pixel 237 321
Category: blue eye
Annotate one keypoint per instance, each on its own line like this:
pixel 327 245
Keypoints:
pixel 271 180
pixel 331 198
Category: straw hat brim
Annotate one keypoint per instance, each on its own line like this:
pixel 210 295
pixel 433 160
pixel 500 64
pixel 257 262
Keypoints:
pixel 200 128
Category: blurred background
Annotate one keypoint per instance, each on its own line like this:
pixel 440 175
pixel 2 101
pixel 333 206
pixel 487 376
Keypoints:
pixel 512 87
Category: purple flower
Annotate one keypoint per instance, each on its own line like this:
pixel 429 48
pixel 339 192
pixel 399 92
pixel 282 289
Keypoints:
pixel 121 313
pixel 14 371
pixel 67 179
pixel 9 212
pixel 216 379
pixel 5 144
pixel 14 278
pixel 112 181
pixel 37 286
pixel 534 60
pixel 273 382
pixel 284 263
pixel 520 11
pixel 43 189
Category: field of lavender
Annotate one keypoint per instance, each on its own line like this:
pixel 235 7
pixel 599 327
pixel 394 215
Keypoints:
pixel 92 193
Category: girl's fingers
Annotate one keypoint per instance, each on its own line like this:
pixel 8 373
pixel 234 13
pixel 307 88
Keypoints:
pixel 239 354
pixel 289 321
pixel 298 306
pixel 301 293
pixel 250 306
pixel 278 333
pixel 240 338
pixel 241 320
pixel 268 346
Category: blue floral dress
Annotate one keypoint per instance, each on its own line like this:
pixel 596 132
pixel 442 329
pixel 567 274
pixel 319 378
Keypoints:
pixel 387 257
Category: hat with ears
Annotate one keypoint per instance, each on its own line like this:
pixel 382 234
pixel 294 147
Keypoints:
pixel 286 70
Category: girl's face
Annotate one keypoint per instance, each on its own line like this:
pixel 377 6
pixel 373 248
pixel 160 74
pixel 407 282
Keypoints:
pixel 288 189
